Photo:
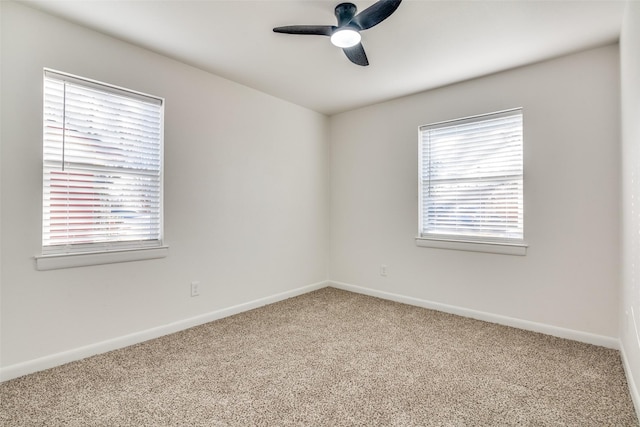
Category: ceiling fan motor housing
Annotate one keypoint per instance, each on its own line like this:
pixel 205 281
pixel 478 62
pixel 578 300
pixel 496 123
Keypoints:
pixel 345 13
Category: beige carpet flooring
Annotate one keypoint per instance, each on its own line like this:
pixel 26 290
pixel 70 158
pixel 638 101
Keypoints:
pixel 332 358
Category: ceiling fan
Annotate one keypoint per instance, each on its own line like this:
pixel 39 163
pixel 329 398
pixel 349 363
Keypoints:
pixel 346 34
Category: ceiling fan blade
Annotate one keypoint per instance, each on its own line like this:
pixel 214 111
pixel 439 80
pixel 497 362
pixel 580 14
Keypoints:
pixel 376 13
pixel 356 54
pixel 319 30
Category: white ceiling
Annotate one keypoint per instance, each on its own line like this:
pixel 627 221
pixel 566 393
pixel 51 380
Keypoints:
pixel 423 45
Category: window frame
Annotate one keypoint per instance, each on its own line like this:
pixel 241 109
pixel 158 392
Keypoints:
pixel 77 255
pixel 489 244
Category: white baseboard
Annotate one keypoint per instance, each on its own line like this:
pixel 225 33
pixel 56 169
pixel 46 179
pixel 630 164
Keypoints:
pixel 556 331
pixel 633 388
pixel 46 362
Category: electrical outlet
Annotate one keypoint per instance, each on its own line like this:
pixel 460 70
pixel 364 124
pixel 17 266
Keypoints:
pixel 195 289
pixel 383 270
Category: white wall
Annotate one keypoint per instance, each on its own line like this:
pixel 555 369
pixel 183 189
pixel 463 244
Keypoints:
pixel 630 294
pixel 568 282
pixel 245 196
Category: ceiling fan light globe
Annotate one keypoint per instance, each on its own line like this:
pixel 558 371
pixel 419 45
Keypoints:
pixel 345 38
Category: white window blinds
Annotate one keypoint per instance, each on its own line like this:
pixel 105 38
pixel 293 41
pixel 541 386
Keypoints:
pixel 471 185
pixel 102 167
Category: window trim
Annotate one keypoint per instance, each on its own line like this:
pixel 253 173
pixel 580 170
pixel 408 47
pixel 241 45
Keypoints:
pixel 473 246
pixel 108 252
pixel 495 245
pixel 83 259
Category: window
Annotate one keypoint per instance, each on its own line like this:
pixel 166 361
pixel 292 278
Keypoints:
pixel 471 185
pixel 102 173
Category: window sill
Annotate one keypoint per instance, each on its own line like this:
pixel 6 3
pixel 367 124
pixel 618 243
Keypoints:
pixel 54 262
pixel 466 245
